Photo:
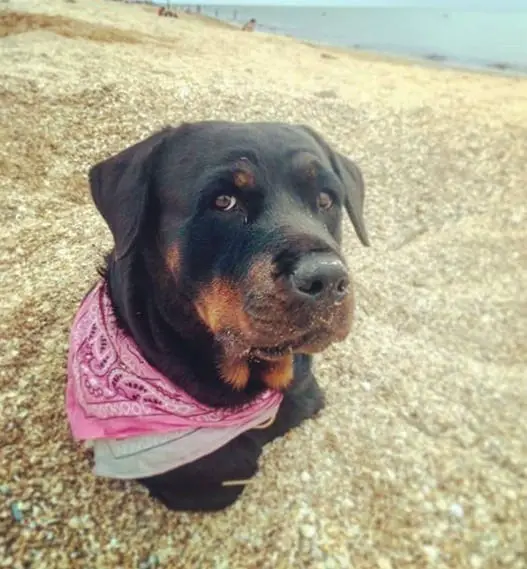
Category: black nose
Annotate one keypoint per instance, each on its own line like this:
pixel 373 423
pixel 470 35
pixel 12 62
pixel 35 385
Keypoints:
pixel 320 276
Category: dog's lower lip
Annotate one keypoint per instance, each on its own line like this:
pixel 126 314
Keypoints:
pixel 271 353
pixel 277 352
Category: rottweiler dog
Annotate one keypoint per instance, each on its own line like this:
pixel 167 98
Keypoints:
pixel 227 272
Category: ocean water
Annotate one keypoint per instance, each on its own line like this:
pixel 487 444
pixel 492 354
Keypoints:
pixel 494 38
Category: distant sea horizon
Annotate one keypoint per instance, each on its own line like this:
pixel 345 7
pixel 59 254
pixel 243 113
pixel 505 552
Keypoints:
pixel 484 38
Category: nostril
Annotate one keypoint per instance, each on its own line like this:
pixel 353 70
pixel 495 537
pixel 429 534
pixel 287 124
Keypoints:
pixel 342 285
pixel 320 277
pixel 313 288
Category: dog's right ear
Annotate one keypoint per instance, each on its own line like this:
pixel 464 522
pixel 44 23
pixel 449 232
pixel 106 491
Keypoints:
pixel 120 187
pixel 351 176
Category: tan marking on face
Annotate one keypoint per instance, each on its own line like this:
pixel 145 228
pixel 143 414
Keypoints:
pixel 220 307
pixel 278 374
pixel 235 372
pixel 172 259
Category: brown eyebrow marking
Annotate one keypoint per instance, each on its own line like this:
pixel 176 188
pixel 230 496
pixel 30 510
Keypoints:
pixel 306 166
pixel 244 179
pixel 243 175
pixel 312 170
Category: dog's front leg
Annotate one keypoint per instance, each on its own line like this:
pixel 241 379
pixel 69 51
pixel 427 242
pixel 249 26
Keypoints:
pixel 211 483
pixel 216 481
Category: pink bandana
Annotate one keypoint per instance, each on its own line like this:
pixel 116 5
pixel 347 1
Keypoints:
pixel 128 408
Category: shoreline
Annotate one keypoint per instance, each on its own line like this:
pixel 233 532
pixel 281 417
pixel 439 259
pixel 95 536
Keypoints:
pixel 326 50
pixel 433 59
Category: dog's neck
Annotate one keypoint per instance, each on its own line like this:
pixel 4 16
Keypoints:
pixel 186 357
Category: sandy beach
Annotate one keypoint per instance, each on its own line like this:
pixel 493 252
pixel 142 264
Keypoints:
pixel 420 457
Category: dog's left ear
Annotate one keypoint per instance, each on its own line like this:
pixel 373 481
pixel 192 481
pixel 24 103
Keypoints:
pixel 120 188
pixel 353 182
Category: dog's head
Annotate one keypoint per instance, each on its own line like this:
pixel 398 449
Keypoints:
pixel 238 227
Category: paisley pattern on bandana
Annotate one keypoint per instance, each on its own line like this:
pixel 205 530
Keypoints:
pixel 113 392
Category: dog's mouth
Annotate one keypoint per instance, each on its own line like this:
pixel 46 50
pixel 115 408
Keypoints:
pixel 270 353
pixel 313 341
pixel 267 355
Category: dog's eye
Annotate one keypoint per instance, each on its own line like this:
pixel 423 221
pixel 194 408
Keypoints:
pixel 225 202
pixel 324 200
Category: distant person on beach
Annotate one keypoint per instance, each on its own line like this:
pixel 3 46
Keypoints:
pixel 167 13
pixel 249 26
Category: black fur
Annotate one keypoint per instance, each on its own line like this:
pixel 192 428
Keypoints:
pixel 159 192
